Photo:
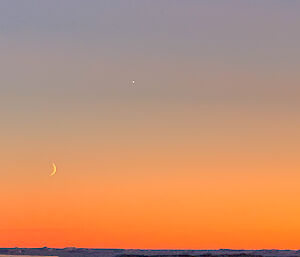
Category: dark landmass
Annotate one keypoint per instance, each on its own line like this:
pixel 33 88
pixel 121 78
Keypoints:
pixel 86 252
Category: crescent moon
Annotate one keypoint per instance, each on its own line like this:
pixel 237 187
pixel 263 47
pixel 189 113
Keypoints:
pixel 54 170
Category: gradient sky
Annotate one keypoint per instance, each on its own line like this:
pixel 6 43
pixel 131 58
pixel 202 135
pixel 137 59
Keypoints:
pixel 203 152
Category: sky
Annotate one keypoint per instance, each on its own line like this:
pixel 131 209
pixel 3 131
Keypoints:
pixel 201 153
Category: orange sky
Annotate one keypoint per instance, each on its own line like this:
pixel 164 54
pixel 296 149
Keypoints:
pixel 202 153
pixel 189 194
